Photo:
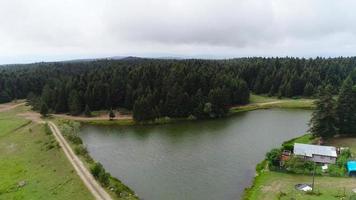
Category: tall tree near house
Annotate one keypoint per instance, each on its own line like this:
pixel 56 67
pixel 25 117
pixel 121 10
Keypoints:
pixel 346 108
pixel 323 122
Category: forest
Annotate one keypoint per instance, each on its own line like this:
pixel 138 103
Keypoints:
pixel 154 88
pixel 336 115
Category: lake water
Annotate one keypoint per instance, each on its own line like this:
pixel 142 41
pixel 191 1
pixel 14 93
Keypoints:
pixel 200 160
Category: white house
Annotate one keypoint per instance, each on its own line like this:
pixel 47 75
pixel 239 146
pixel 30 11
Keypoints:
pixel 316 153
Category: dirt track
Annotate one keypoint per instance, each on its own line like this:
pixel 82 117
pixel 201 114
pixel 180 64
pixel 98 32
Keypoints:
pixel 9 106
pixel 98 192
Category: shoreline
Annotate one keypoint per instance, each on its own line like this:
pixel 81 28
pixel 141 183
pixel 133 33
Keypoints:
pixel 262 167
pixel 115 187
pixel 265 103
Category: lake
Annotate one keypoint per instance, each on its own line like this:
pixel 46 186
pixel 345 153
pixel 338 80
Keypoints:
pixel 196 160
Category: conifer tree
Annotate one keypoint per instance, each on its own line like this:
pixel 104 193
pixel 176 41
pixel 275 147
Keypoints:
pixel 87 111
pixel 323 122
pixel 44 110
pixel 74 104
pixel 346 107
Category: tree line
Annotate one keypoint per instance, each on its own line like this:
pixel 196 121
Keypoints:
pixel 154 88
pixel 336 114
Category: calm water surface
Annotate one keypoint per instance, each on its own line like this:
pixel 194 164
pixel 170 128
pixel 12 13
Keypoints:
pixel 204 160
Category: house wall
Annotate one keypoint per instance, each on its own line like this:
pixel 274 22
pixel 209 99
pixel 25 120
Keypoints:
pixel 322 159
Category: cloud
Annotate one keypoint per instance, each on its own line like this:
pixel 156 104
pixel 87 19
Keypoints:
pixel 35 30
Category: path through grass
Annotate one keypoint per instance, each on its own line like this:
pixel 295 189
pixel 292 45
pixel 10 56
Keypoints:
pixel 32 166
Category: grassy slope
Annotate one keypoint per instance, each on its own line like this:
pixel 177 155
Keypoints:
pixel 270 185
pixel 25 156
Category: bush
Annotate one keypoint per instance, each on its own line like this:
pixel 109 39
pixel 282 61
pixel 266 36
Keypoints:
pixel 96 169
pixel 163 120
pixel 70 130
pixel 75 139
pixel 273 156
pixel 100 174
pixel 343 157
pixel 300 166
pixel 192 117
pixel 335 170
pixel 81 150
pixel 288 146
pixel 260 166
pixel 47 129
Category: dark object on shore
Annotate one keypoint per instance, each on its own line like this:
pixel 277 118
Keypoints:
pixel 111 115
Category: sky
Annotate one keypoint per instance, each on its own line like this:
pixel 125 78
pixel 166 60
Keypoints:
pixel 53 30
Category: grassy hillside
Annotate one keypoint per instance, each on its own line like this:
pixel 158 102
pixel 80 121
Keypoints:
pixel 32 166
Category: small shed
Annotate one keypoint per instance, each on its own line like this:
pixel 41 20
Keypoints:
pixel 316 153
pixel 351 168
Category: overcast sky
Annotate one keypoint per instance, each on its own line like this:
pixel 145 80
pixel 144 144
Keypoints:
pixel 49 30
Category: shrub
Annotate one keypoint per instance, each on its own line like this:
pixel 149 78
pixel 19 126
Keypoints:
pixel 70 130
pixel 300 166
pixel 96 169
pixel 75 139
pixel 162 120
pixel 100 174
pixel 343 157
pixel 81 150
pixel 192 117
pixel 273 156
pixel 335 170
pixel 47 129
pixel 288 146
pixel 260 166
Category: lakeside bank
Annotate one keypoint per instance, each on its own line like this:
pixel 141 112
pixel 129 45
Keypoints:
pixel 256 102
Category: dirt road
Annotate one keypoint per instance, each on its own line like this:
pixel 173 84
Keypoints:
pixel 98 192
pixel 9 106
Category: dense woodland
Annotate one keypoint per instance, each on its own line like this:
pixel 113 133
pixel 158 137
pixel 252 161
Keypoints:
pixel 336 114
pixel 154 88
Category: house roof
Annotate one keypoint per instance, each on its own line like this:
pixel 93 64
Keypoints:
pixel 309 150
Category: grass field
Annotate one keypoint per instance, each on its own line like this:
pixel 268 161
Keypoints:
pixel 32 166
pixel 264 102
pixel 275 185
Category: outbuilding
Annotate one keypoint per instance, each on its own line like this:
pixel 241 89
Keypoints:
pixel 351 168
pixel 316 153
